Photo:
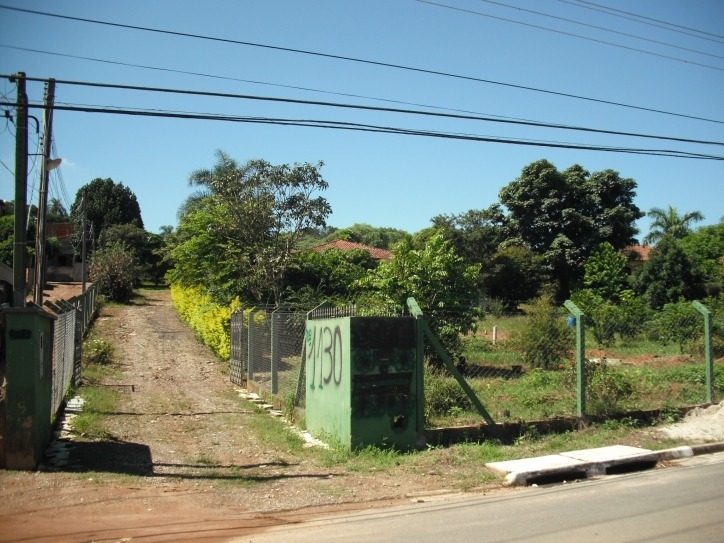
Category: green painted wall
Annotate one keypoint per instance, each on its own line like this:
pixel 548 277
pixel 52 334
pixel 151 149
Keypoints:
pixel 28 351
pixel 362 381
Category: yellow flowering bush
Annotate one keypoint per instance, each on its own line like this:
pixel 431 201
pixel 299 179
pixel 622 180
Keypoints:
pixel 210 321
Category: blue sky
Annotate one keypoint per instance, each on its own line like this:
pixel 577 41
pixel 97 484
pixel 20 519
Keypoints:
pixel 385 180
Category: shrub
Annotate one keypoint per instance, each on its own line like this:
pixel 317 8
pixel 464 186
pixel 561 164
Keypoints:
pixel 115 270
pixel 97 351
pixel 545 340
pixel 677 323
pixel 443 395
pixel 606 389
pixel 209 320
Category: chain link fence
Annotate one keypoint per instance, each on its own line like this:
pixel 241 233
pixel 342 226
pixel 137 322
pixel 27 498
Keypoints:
pixel 267 346
pixel 72 319
pixel 521 366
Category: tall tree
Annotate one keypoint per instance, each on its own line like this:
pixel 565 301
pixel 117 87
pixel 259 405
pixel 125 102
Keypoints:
pixel 255 214
pixel 57 212
pixel 563 216
pixel 476 235
pixel 669 222
pixel 106 203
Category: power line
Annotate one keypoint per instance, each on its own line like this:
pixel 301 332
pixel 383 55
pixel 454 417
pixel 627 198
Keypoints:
pixel 228 78
pixel 587 38
pixel 385 129
pixel 588 25
pixel 372 108
pixel 358 60
pixel 606 9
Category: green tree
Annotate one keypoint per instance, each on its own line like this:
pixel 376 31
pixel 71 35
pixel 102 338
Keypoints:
pixel 705 249
pixel 129 235
pixel 677 323
pixel 106 203
pixel 155 263
pixel 668 276
pixel 606 274
pixel 255 215
pixel 476 234
pixel 56 211
pixel 668 222
pixel 380 237
pixel 563 216
pixel 330 275
pixel 7 239
pixel 443 285
pixel 513 275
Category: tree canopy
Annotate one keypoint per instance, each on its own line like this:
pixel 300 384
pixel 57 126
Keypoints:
pixel 252 214
pixel 670 222
pixel 563 216
pixel 441 282
pixel 106 203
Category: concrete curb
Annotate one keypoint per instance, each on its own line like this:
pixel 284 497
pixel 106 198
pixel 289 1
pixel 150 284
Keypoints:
pixel 566 466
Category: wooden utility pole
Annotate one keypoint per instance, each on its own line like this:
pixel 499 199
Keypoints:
pixel 43 200
pixel 21 191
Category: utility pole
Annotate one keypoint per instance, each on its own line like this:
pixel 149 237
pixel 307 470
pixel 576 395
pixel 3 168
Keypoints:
pixel 43 200
pixel 21 188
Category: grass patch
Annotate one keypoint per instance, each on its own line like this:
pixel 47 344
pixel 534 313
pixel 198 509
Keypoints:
pixel 90 423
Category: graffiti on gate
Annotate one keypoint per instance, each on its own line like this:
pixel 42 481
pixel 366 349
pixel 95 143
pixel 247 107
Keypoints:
pixel 325 355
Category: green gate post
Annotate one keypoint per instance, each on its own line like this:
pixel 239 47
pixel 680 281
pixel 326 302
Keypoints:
pixel 250 334
pixel 29 358
pixel 275 355
pixel 708 358
pixel 580 356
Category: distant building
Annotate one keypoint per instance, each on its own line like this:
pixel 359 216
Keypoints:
pixel 637 255
pixel 342 245
pixel 61 265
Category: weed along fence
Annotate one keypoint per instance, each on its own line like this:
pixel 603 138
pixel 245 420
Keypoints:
pixel 41 359
pixel 353 374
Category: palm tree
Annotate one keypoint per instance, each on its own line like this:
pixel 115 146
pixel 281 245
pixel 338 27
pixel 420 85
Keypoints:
pixel 670 223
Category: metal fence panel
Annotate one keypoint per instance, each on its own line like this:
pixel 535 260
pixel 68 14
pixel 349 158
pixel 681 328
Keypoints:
pixel 237 367
pixel 63 357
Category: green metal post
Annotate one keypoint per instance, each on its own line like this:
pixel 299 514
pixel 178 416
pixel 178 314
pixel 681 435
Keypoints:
pixel 417 312
pixel 708 357
pixel 420 364
pixel 580 356
pixel 250 333
pixel 275 353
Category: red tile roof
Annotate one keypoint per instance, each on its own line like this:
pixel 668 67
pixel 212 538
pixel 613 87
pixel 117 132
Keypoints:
pixel 637 252
pixel 342 245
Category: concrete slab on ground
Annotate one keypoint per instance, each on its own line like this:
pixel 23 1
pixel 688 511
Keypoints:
pixel 572 464
pixel 606 454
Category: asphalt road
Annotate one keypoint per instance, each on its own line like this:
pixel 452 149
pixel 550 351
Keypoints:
pixel 680 503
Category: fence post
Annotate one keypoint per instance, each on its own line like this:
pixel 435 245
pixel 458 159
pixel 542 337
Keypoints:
pixel 249 344
pixel 580 356
pixel 275 352
pixel 708 358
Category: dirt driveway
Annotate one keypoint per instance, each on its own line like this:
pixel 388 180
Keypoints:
pixel 183 459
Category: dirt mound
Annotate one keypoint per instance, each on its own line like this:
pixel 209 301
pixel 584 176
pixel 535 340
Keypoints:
pixel 702 424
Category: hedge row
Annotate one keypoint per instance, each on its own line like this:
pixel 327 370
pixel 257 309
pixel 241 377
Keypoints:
pixel 210 321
